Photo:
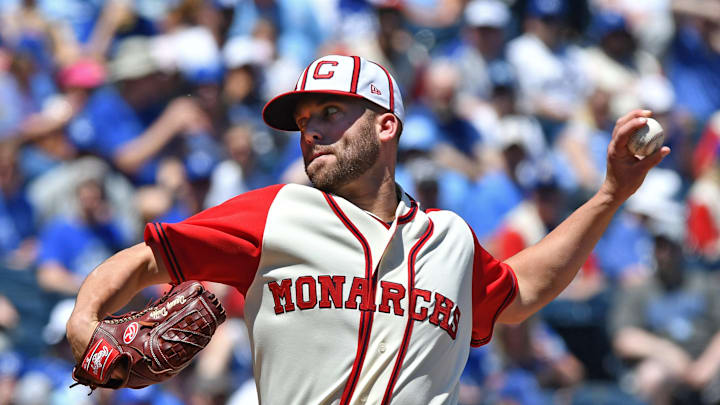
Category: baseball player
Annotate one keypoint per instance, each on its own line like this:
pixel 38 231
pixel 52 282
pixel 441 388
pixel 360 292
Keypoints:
pixel 354 293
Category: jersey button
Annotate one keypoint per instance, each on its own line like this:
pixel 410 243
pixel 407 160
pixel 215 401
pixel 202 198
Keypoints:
pixel 363 399
pixel 382 348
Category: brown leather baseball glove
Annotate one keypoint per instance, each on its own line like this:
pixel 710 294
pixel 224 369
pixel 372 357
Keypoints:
pixel 152 345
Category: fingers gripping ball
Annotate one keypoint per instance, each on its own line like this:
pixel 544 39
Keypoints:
pixel 152 345
pixel 646 140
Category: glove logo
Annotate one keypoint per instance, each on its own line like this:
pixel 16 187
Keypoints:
pixel 163 311
pixel 130 333
pixel 99 358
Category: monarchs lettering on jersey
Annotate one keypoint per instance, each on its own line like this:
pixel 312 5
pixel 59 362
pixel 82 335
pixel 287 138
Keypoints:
pixel 424 305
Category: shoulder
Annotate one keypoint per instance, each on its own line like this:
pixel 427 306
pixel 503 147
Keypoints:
pixel 449 223
pixel 63 231
pixel 105 98
pixel 523 43
pixel 291 195
pixel 445 215
pixel 259 196
pixel 59 225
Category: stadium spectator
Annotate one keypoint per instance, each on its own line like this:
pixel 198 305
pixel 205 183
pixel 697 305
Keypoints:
pixel 616 64
pixel 625 251
pixel 536 363
pixel 240 172
pixel 501 123
pixel 459 143
pixel 245 58
pixel 667 330
pixel 71 247
pixel 17 216
pixel 483 45
pixel 552 83
pixel 703 223
pixel 584 138
pixel 693 57
pixel 123 122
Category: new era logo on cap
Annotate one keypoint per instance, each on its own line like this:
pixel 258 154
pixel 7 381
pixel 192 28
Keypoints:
pixel 335 74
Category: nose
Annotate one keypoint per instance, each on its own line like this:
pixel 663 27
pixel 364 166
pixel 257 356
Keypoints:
pixel 311 133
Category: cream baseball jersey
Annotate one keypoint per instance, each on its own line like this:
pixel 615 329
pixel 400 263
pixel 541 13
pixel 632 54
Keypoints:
pixel 341 307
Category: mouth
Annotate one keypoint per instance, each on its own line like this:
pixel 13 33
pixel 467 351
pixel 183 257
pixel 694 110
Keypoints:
pixel 317 155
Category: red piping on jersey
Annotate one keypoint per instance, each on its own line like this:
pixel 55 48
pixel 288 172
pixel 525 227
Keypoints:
pixel 412 256
pixel 390 82
pixel 410 214
pixel 403 219
pixel 385 224
pixel 366 317
pixel 167 254
pixel 172 254
pixel 356 74
pixel 165 243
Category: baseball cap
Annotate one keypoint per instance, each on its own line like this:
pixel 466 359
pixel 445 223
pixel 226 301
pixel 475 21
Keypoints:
pixel 487 13
pixel 241 51
pixel 502 74
pixel 83 73
pixel 656 93
pixel 546 8
pixel 133 59
pixel 607 22
pixel 352 76
pixel 658 198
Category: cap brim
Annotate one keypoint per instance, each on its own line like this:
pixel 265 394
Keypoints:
pixel 279 113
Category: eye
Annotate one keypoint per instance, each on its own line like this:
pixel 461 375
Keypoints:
pixel 330 110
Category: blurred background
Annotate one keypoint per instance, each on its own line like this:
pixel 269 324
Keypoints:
pixel 115 113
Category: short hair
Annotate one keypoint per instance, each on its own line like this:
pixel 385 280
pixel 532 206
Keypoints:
pixel 377 110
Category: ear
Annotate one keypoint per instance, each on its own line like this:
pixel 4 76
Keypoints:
pixel 388 126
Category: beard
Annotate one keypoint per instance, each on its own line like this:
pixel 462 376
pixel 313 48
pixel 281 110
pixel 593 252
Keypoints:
pixel 353 157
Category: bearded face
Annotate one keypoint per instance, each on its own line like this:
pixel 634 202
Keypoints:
pixel 338 138
pixel 330 167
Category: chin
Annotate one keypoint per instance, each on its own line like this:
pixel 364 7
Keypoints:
pixel 325 185
pixel 325 182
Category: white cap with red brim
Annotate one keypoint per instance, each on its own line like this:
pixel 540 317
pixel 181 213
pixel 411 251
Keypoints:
pixel 336 74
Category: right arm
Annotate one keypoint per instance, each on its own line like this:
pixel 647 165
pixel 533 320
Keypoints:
pixel 636 343
pixel 53 276
pixel 108 288
pixel 182 114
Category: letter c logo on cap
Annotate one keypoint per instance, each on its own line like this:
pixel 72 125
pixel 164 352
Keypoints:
pixel 328 74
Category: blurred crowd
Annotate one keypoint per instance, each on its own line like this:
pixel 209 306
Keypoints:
pixel 119 112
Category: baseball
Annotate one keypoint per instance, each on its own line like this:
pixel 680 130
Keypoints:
pixel 646 140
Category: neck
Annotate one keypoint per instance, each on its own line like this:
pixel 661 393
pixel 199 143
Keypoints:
pixel 375 194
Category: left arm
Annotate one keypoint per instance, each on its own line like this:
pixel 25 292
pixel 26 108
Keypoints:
pixel 545 269
pixel 705 367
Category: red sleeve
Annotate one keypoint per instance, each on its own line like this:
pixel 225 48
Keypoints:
pixel 701 231
pixel 221 244
pixel 705 153
pixel 509 243
pixel 494 287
